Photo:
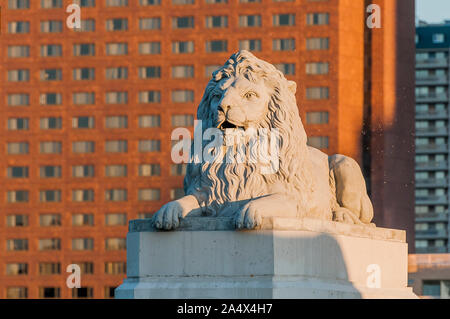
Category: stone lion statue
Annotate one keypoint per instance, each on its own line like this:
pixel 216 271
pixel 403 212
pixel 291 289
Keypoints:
pixel 250 93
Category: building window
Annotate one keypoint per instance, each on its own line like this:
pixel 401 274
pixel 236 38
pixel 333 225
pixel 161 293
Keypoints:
pixel 49 292
pixel 150 23
pixel 216 1
pixel 50 123
pixel 317 68
pixel 116 48
pixel 216 46
pixel 148 121
pixel 16 292
pixel 317 93
pixel 320 142
pixel 149 2
pixel 50 220
pixel 17 220
pixel 19 27
pixel 249 1
pixel 19 99
pixel 84 98
pixel 183 120
pixel 15 269
pixel 51 75
pixel 183 47
pixel 50 147
pixel 283 44
pixel 116 3
pixel 176 193
pixel 116 97
pixel 51 4
pixel 149 97
pixel 178 169
pixel 49 268
pixel 182 22
pixel 182 96
pixel 85 3
pixel 87 25
pixel 117 219
pixel 82 195
pixel 82 244
pixel 209 69
pixel 83 171
pixel 17 172
pixel 50 99
pixel 149 146
pixel 115 244
pixel 49 244
pixel 52 26
pixel 18 76
pixel 18 124
pixel 431 288
pixel 250 45
pixel 82 220
pixel 286 68
pixel 250 21
pixel 317 43
pixel 115 268
pixel 284 20
pixel 116 170
pixel 149 194
pixel 183 2
pixel 438 38
pixel 83 122
pixel 119 73
pixel 18 51
pixel 150 48
pixel 84 49
pixel 183 71
pixel 50 196
pixel 50 171
pixel 116 121
pixel 51 50
pixel 216 22
pixel 117 24
pixel 150 72
pixel 18 4
pixel 147 170
pixel 17 244
pixel 317 19
pixel 83 74
pixel 17 148
pixel 116 146
pixel 317 118
pixel 145 215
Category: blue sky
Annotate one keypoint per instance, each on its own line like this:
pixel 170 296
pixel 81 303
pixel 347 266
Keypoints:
pixel 432 10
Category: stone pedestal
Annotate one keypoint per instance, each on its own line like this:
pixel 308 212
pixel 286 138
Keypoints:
pixel 287 258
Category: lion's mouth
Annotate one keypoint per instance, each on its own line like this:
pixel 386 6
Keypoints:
pixel 226 124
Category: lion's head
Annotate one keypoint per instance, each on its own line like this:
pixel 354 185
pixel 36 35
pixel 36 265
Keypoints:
pixel 250 93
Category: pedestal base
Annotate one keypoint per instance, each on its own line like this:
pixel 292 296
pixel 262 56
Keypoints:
pixel 287 258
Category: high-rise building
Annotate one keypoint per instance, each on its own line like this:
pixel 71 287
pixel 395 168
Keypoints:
pixel 432 133
pixel 87 115
pixel 429 275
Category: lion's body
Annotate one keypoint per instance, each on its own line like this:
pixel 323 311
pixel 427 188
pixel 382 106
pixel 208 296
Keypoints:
pixel 307 183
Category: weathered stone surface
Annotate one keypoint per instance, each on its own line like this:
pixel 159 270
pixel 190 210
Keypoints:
pixel 277 223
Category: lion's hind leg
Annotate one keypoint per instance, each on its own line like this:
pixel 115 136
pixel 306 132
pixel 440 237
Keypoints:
pixel 352 203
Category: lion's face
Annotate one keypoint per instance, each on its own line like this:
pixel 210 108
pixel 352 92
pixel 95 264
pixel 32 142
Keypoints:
pixel 239 103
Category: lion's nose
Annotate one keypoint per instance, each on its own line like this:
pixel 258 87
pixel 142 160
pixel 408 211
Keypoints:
pixel 224 108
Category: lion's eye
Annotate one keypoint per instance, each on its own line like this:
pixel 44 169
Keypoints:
pixel 250 95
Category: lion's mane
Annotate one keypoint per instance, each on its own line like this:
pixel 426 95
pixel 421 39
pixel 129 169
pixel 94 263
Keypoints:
pixel 217 185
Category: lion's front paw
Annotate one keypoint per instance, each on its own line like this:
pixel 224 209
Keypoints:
pixel 248 217
pixel 168 217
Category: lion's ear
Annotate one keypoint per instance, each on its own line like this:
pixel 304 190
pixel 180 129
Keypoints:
pixel 292 86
